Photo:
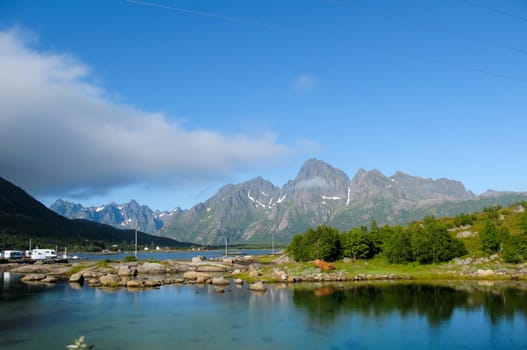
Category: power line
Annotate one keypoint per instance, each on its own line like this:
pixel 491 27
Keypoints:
pixel 358 45
pixel 208 14
pixel 493 9
pixel 430 27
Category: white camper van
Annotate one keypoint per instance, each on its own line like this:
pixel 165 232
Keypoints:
pixel 13 254
pixel 41 254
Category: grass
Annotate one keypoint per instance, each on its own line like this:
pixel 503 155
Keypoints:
pixel 104 263
pixel 378 267
pixel 76 269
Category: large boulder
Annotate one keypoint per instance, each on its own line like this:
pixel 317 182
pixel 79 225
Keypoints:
pixel 220 281
pixel 211 268
pixel 91 273
pixel 199 277
pixel 257 287
pixel 33 277
pixel 152 283
pixel 149 268
pixel 77 278
pixel 94 282
pixel 280 273
pixel 125 271
pixel 50 279
pixel 110 280
pixel 134 284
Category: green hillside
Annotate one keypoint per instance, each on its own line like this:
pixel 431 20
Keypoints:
pixel 494 231
pixel 22 217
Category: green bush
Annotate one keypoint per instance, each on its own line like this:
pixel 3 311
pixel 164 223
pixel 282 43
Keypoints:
pixel 321 243
pixel 489 240
pixel 397 248
pixel 129 258
pixel 431 243
pixel 356 244
pixel 515 249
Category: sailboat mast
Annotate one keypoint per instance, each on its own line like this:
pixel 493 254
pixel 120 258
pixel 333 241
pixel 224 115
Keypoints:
pixel 135 252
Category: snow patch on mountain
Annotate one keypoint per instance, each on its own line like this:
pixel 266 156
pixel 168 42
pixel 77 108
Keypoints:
pixel 333 198
pixel 281 199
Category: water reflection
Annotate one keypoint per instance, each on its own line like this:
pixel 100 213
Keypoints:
pixel 329 316
pixel 327 304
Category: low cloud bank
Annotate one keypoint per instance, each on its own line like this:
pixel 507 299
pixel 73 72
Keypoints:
pixel 61 134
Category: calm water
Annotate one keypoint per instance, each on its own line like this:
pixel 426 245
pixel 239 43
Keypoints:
pixel 349 316
pixel 177 255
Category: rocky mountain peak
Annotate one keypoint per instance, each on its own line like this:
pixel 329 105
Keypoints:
pixel 129 215
pixel 317 178
pixel 367 181
pixel 314 168
pixel 320 194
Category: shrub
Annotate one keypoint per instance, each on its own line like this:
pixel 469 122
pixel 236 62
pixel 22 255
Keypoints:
pixel 321 243
pixel 489 240
pixel 129 258
pixel 515 249
pixel 397 248
pixel 431 243
pixel 356 244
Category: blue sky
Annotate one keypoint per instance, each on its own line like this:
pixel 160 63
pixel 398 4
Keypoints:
pixel 165 101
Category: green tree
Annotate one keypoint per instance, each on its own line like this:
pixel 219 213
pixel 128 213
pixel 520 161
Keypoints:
pixel 492 213
pixel 523 222
pixel 397 247
pixel 431 242
pixel 356 244
pixel 297 248
pixel 490 243
pixel 320 243
pixel 515 249
pixel 464 219
pixel 376 238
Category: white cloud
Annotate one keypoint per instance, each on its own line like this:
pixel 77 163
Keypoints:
pixel 60 134
pixel 304 83
pixel 316 182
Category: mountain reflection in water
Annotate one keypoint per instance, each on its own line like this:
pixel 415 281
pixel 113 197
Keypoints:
pixel 394 315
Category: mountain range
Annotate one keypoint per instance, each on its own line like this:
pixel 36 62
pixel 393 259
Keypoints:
pixel 258 211
pixel 23 218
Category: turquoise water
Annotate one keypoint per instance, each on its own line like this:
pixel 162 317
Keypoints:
pixel 347 316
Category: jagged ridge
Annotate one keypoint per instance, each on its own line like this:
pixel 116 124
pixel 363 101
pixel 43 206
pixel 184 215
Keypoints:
pixel 256 210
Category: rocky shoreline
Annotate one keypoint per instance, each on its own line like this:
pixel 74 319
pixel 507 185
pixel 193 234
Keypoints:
pixel 240 271
pixel 137 275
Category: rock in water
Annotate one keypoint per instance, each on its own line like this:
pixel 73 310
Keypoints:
pixel 110 280
pixel 149 268
pixel 34 277
pixel 220 281
pixel 257 287
pixel 50 279
pixel 77 278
